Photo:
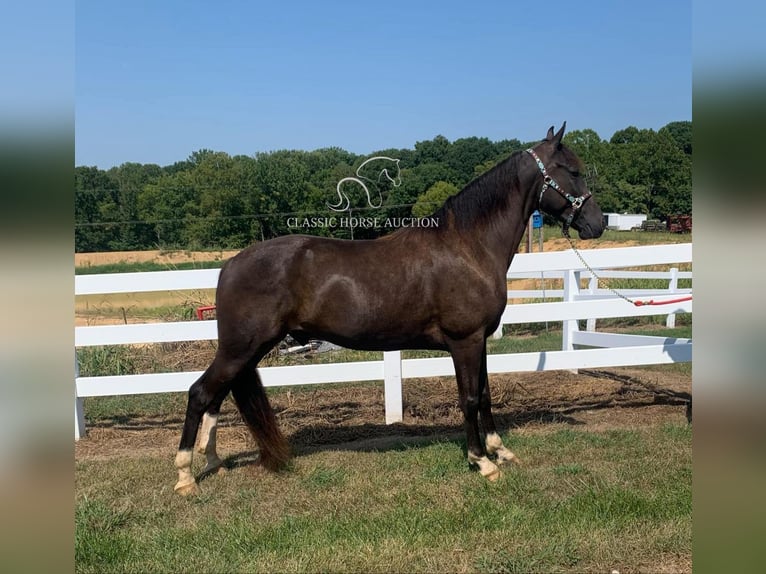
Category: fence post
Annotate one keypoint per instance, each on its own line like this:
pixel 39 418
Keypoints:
pixel 670 322
pixel 392 385
pixel 79 413
pixel 592 288
pixel 571 290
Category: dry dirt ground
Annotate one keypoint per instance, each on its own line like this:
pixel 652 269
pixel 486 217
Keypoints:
pixel 162 257
pixel 347 417
pixel 352 417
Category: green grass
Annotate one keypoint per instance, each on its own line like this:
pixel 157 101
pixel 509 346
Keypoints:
pixel 583 501
pixel 126 408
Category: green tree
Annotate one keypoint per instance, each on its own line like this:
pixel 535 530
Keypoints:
pixel 131 179
pixel 432 151
pixel 95 229
pixel 681 132
pixel 504 148
pixel 433 198
pixel 165 205
pixel 283 186
pixel 217 217
pixel 654 161
pixel 214 200
pixel 597 158
pixel 627 135
pixel 465 154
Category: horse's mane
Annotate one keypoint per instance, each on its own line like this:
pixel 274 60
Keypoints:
pixel 481 197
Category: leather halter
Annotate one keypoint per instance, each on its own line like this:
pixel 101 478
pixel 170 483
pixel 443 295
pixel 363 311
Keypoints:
pixel 548 181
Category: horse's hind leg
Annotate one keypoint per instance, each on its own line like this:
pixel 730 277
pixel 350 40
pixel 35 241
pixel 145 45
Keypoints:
pixel 207 435
pixel 212 386
pixel 492 441
pixel 208 431
pixel 256 411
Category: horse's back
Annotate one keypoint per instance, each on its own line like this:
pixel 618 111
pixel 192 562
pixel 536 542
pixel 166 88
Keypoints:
pixel 405 290
pixel 329 287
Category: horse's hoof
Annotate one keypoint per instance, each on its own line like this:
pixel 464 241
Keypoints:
pixel 188 489
pixel 494 475
pixel 512 459
pixel 504 455
pixel 214 469
pixel 213 466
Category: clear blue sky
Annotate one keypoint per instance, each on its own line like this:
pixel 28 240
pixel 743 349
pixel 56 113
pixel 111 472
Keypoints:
pixel 156 81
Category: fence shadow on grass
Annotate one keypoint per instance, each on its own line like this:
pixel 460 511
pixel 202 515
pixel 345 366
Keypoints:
pixel 137 422
pixel 631 394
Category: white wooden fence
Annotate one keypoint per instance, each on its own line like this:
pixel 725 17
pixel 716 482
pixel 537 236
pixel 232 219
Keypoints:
pixel 573 303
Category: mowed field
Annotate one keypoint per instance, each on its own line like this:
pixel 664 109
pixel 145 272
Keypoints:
pixel 131 307
pixel 604 484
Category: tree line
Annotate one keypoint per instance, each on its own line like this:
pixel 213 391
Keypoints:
pixel 213 200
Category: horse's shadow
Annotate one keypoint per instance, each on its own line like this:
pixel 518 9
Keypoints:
pixel 371 437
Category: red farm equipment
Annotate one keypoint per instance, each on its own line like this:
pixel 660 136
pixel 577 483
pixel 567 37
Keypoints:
pixel 680 223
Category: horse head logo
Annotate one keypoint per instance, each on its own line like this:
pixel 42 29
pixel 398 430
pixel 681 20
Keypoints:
pixel 344 203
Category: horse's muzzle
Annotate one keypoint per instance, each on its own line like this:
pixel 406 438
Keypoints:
pixel 588 232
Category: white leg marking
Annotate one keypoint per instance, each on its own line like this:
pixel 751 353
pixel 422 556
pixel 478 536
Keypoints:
pixel 494 445
pixel 209 423
pixel 186 483
pixel 487 468
pixel 207 442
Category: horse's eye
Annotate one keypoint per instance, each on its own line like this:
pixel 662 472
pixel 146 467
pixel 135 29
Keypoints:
pixel 576 173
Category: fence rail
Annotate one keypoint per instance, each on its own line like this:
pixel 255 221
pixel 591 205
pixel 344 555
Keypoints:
pixel 577 303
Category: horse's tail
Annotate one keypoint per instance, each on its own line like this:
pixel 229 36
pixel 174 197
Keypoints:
pixel 258 415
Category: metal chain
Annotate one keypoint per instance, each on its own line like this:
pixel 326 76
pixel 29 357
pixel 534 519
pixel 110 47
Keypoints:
pixel 589 268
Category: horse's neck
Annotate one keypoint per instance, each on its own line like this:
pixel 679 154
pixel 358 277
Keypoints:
pixel 502 232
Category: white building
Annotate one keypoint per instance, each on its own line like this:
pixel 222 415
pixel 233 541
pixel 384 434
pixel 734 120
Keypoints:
pixel 624 221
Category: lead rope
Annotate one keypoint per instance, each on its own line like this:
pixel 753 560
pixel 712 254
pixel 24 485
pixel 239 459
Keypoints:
pixel 617 293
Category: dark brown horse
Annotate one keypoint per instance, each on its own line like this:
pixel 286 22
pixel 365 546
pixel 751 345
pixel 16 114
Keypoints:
pixel 417 288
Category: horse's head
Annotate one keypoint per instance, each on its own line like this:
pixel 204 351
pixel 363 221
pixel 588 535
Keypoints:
pixel 563 192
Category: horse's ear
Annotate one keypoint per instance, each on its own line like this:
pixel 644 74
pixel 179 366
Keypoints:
pixel 559 134
pixel 549 137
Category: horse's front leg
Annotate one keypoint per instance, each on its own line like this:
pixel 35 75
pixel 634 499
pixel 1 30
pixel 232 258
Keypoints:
pixel 467 357
pixel 492 441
